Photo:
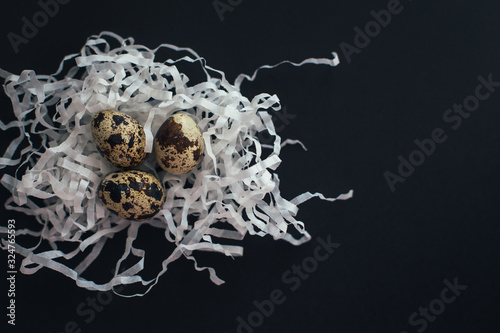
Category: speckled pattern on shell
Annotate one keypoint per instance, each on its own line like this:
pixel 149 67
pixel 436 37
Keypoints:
pixel 119 138
pixel 132 194
pixel 178 145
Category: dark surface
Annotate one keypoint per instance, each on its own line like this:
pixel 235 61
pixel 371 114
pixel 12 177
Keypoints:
pixel 397 247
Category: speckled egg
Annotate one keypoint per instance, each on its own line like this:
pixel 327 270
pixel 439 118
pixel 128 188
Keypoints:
pixel 119 138
pixel 132 194
pixel 178 145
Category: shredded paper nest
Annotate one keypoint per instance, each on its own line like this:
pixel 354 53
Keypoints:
pixel 232 192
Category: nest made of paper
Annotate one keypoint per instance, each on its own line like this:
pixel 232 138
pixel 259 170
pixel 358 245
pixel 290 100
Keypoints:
pixel 234 183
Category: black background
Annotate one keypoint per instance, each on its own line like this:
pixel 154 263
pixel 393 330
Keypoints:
pixel 397 248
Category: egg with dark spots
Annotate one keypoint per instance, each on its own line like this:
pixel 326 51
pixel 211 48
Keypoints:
pixel 178 144
pixel 119 138
pixel 132 194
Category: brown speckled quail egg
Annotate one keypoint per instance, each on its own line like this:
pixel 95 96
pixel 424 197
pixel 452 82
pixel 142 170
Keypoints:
pixel 119 138
pixel 178 145
pixel 132 194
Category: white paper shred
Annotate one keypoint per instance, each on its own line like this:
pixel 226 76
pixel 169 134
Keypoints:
pixel 234 184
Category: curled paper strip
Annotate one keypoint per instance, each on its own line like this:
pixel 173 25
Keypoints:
pixel 233 186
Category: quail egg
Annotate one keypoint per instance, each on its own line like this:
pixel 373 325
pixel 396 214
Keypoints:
pixel 178 145
pixel 132 194
pixel 119 138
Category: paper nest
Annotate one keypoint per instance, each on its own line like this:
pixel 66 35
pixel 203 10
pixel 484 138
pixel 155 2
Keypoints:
pixel 233 185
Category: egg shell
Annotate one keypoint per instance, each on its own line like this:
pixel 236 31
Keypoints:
pixel 119 138
pixel 132 194
pixel 178 144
